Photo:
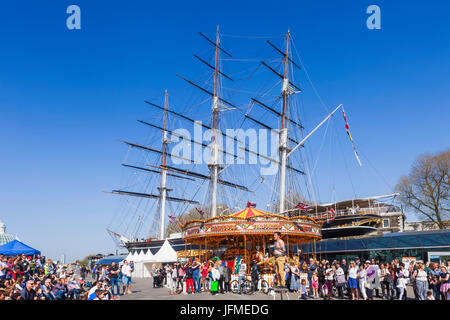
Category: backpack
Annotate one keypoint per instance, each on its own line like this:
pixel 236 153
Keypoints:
pixel 340 279
pixel 388 279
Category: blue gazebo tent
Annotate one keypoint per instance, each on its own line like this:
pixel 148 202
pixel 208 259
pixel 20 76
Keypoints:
pixel 109 259
pixel 16 247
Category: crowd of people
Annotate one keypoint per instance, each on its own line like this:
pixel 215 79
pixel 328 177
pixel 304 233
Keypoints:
pixel 34 278
pixel 387 280
pixel 109 279
pixel 196 277
pixel 354 280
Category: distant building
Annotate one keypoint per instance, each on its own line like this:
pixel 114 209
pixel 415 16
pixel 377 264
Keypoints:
pixel 424 225
pixel 392 219
pixel 4 237
pixel 92 259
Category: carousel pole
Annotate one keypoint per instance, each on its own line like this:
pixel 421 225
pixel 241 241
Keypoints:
pixel 245 248
pixel 263 242
pixel 314 248
pixel 287 249
pixel 265 245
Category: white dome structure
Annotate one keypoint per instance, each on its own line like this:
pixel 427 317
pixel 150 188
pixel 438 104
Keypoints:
pixel 4 237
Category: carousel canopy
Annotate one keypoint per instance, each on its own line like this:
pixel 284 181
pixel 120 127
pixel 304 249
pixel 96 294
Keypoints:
pixel 251 223
pixel 248 213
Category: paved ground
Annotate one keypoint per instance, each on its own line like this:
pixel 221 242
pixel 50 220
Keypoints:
pixel 143 290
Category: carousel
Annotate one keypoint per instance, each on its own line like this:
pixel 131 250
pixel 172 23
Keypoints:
pixel 247 235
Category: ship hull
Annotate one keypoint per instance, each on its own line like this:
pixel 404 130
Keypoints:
pixel 340 232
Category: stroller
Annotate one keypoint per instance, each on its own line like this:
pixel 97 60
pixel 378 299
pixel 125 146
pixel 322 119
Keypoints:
pixel 160 280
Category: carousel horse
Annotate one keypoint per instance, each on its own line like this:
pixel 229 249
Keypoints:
pixel 259 258
pixel 264 260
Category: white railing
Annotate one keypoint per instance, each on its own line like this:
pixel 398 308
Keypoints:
pixel 355 212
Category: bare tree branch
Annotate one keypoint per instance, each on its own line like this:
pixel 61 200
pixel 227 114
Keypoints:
pixel 426 190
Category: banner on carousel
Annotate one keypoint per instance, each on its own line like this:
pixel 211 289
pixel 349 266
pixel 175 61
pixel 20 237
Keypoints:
pixel 192 253
pixel 250 227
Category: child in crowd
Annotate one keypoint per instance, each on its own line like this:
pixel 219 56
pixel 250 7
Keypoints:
pixel 315 285
pixel 324 290
pixel 434 286
pixel 303 292
pixel 430 295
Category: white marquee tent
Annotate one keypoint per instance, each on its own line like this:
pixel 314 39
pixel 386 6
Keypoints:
pixel 143 264
pixel 143 261
pixel 166 253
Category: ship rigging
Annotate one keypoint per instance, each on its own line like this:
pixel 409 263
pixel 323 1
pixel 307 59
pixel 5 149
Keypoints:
pixel 186 179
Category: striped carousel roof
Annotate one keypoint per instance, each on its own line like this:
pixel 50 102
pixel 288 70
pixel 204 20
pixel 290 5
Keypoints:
pixel 249 213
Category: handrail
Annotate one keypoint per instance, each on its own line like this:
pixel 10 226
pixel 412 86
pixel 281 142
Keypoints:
pixel 360 212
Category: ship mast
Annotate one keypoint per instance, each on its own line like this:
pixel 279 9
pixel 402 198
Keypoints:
pixel 213 167
pixel 162 188
pixel 218 102
pixel 283 131
pixel 288 88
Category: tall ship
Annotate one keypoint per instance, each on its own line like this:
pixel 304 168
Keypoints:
pixel 235 138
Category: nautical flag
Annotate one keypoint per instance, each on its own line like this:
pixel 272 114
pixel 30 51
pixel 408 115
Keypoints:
pixel 333 213
pixel 172 218
pixel 302 206
pixel 200 211
pixel 251 205
pixel 350 136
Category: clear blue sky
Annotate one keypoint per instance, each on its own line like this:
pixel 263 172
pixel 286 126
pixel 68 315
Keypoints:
pixel 66 97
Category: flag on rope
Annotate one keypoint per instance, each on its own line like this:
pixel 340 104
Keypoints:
pixel 302 206
pixel 200 211
pixel 350 136
pixel 172 218
pixel 333 213
pixel 251 205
